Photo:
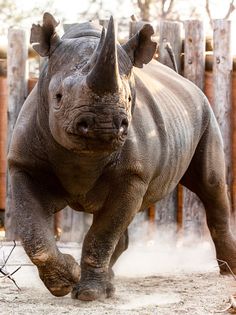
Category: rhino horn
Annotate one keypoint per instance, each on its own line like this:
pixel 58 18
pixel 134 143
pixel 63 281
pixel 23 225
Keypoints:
pixel 104 76
pixel 95 54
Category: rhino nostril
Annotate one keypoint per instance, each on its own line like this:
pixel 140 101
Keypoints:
pixel 83 127
pixel 58 97
pixel 124 126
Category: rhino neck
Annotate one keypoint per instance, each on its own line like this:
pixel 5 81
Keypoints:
pixel 78 173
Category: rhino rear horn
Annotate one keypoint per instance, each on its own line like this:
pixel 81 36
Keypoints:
pixel 45 36
pixel 104 76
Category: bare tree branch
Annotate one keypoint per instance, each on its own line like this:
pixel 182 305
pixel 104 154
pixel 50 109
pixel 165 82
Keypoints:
pixel 230 10
pixel 170 7
pixel 144 7
pixel 208 11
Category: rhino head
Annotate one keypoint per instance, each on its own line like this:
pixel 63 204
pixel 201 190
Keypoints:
pixel 88 87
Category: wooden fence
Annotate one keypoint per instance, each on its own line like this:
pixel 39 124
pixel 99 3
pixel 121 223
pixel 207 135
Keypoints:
pixel 211 70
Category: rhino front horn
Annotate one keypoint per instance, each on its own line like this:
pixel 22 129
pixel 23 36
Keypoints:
pixel 104 76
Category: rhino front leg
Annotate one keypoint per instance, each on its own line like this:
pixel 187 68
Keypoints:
pixel 33 209
pixel 102 238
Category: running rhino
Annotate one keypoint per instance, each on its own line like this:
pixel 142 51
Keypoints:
pixel 104 136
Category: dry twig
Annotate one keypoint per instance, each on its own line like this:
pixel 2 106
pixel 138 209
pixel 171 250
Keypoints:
pixel 231 307
pixel 222 263
pixel 4 272
pixel 230 10
pixel 232 298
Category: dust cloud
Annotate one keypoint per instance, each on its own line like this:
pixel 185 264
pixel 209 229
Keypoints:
pixel 152 251
pixel 159 251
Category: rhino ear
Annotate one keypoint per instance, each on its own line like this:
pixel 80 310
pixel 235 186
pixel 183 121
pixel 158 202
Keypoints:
pixel 45 36
pixel 140 48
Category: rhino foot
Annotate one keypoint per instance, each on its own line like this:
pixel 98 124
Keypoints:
pixel 226 267
pixel 226 254
pixel 92 291
pixel 61 275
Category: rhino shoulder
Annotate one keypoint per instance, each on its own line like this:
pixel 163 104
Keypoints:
pixel 26 147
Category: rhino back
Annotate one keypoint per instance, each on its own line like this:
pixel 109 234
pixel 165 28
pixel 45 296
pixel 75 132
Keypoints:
pixel 83 29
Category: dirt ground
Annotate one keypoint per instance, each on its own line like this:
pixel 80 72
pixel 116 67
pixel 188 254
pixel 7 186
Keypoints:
pixel 151 279
pixel 195 294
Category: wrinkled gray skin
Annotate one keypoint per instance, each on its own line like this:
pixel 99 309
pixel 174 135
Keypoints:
pixel 105 137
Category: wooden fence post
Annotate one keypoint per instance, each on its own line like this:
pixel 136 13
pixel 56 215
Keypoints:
pixel 170 32
pixel 135 26
pixel 3 131
pixel 166 209
pixel 194 52
pixel 17 90
pixel 74 225
pixel 194 70
pixel 222 87
pixel 104 22
pixel 3 136
pixel 234 142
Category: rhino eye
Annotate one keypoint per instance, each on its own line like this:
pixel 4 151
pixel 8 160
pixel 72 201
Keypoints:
pixel 58 97
pixel 129 99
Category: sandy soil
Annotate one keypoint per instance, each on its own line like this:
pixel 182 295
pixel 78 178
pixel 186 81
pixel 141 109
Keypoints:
pixel 152 278
pixel 195 294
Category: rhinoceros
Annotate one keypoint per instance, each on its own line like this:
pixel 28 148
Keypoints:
pixel 108 131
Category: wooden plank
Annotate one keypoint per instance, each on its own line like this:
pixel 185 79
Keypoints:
pixel 135 26
pixel 166 209
pixel 194 222
pixel 194 52
pixel 170 32
pixel 3 132
pixel 222 87
pixel 233 191
pixel 104 22
pixel 17 91
pixel 74 225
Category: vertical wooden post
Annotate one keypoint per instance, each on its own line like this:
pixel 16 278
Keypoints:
pixel 3 131
pixel 166 209
pixel 194 52
pixel 194 70
pixel 222 87
pixel 170 32
pixel 104 22
pixel 17 90
pixel 74 225
pixel 3 136
pixel 234 140
pixel 135 26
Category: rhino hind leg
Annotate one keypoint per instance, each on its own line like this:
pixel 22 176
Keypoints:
pixel 206 177
pixel 121 246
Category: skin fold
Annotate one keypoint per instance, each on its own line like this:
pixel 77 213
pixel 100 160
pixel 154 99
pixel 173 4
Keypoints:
pixel 108 131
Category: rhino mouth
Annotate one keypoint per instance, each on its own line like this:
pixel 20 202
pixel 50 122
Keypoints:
pixel 99 141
